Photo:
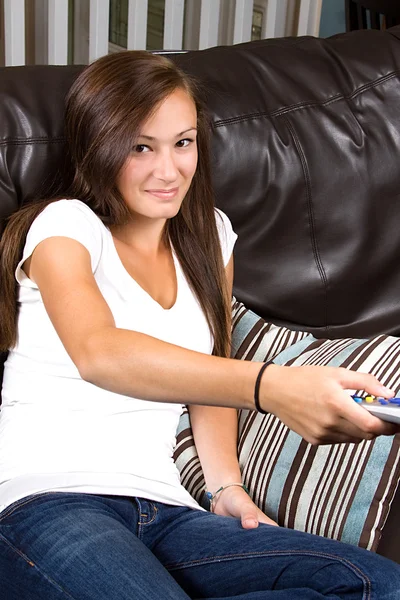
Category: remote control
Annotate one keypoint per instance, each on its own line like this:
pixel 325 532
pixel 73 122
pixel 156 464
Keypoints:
pixel 387 410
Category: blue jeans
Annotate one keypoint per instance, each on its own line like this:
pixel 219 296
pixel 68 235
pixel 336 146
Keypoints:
pixel 58 546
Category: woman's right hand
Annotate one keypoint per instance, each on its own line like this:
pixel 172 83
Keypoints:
pixel 312 401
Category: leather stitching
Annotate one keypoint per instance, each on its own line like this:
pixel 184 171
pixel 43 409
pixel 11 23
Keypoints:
pixel 33 140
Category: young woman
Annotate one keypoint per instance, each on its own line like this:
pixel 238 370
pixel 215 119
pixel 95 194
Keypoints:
pixel 116 309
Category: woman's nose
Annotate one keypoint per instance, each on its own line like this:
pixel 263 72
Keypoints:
pixel 166 168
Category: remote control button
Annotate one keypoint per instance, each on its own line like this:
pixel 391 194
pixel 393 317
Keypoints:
pixel 357 399
pixel 383 401
pixel 394 400
pixel 369 399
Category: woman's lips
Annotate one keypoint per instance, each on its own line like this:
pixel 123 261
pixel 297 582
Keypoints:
pixel 164 194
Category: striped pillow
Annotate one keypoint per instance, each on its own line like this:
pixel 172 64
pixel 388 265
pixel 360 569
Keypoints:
pixel 341 491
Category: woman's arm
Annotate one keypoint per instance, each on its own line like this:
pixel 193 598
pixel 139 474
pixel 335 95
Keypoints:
pixel 310 400
pixel 215 432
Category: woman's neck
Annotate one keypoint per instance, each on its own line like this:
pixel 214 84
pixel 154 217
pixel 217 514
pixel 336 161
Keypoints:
pixel 146 238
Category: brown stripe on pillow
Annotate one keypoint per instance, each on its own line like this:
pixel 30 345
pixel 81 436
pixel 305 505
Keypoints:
pixel 330 509
pixel 246 424
pixel 323 489
pixel 182 438
pixel 261 443
pixel 283 338
pixel 312 346
pixel 186 467
pixel 259 453
pixel 198 486
pixel 238 311
pixel 294 483
pixel 389 371
pixel 328 351
pixel 352 485
pixel 186 442
pixel 321 352
pixel 251 342
pixel 269 461
pixel 360 354
pixel 192 476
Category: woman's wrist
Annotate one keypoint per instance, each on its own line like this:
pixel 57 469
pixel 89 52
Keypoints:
pixel 266 388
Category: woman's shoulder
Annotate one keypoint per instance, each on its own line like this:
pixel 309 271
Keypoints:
pixel 67 218
pixel 66 214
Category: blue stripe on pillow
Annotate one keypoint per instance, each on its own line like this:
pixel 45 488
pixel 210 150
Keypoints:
pixel 294 351
pixel 279 475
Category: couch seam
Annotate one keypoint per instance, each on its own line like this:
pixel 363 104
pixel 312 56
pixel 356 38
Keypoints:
pixel 301 105
pixel 32 140
pixel 314 242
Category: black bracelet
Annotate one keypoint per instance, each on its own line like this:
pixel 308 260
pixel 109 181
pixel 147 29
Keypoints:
pixel 257 388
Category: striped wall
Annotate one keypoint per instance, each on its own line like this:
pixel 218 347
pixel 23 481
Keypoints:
pixel 44 31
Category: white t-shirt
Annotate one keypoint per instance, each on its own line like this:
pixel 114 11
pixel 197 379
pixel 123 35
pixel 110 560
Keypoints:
pixel 61 433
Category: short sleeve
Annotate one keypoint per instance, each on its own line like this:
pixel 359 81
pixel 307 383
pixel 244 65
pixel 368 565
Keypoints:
pixel 227 236
pixel 63 218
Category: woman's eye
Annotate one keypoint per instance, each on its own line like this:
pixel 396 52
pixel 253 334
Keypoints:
pixel 140 148
pixel 184 143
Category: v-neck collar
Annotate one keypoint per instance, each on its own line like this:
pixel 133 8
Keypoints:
pixel 130 281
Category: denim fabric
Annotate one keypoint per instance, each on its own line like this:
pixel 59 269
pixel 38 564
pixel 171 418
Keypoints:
pixel 55 546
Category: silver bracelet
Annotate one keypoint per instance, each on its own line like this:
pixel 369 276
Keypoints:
pixel 211 497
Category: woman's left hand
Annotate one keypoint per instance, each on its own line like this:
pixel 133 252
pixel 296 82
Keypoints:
pixel 235 502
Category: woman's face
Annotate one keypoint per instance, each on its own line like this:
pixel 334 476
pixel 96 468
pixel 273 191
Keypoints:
pixel 157 174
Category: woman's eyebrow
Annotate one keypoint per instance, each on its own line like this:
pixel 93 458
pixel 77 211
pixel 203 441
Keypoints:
pixel 186 130
pixel 152 139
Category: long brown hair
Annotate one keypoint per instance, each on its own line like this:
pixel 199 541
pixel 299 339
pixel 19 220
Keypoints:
pixel 106 106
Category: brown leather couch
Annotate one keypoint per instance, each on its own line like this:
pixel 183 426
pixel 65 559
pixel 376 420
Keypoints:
pixel 306 154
